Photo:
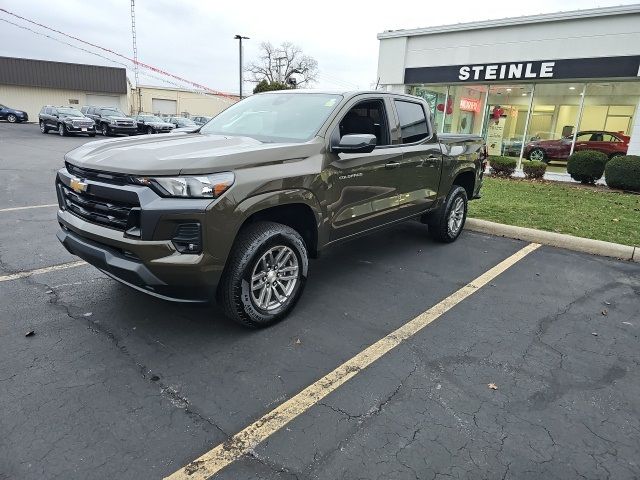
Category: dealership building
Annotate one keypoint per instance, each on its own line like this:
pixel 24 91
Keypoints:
pixel 569 77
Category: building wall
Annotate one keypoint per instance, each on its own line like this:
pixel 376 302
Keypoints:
pixel 186 101
pixel 32 99
pixel 585 37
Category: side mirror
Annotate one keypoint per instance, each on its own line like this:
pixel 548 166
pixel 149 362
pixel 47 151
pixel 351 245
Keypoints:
pixel 356 143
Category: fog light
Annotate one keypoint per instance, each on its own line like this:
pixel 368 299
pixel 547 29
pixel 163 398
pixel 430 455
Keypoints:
pixel 188 238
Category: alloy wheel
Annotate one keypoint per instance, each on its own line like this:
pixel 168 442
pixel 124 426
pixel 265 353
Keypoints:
pixel 537 155
pixel 61 130
pixel 274 278
pixel 11 118
pixel 456 216
pixel 42 128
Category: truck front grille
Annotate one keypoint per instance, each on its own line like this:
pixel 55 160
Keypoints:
pixel 117 215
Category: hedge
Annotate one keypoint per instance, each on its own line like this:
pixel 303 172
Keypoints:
pixel 586 166
pixel 502 166
pixel 534 169
pixel 623 172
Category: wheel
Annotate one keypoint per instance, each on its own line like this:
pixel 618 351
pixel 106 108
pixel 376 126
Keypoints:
pixel 446 224
pixel 538 155
pixel 149 131
pixel 105 130
pixel 43 127
pixel 11 118
pixel 265 274
pixel 62 130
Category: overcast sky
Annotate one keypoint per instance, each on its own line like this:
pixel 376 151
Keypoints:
pixel 194 39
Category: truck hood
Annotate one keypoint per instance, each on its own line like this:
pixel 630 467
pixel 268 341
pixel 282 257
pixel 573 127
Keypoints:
pixel 185 154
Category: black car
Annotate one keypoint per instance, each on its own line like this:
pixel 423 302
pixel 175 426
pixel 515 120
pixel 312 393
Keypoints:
pixel 110 120
pixel 65 121
pixel 12 115
pixel 182 122
pixel 151 124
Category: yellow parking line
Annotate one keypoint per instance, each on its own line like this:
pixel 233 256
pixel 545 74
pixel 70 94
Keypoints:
pixel 13 209
pixel 39 271
pixel 242 442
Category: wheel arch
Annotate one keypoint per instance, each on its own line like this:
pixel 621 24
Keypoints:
pixel 298 209
pixel 465 178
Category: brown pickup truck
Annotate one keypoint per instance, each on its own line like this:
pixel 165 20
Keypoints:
pixel 234 209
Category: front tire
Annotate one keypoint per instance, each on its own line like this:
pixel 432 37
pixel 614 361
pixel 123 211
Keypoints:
pixel 43 127
pixel 265 275
pixel 62 130
pixel 447 223
pixel 11 118
pixel 539 155
pixel 150 131
pixel 106 132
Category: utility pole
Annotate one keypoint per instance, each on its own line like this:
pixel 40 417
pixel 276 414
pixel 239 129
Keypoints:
pixel 278 60
pixel 135 56
pixel 240 38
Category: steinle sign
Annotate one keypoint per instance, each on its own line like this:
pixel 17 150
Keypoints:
pixel 507 71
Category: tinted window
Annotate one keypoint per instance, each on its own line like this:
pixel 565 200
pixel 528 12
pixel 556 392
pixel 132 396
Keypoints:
pixel 413 121
pixel 610 138
pixel 368 117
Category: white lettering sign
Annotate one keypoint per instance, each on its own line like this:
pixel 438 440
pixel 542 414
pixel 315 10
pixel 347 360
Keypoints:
pixel 506 71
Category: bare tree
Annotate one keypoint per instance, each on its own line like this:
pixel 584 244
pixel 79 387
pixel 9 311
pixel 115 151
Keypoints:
pixel 278 64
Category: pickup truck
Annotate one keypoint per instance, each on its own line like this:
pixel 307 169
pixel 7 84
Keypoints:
pixel 234 210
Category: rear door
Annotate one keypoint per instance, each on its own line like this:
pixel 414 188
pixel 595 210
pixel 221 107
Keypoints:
pixel 362 188
pixel 422 157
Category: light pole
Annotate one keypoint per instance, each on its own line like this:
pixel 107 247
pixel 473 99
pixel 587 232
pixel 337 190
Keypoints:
pixel 240 38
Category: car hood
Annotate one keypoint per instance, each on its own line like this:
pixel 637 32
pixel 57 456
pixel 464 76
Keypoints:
pixel 118 118
pixel 184 153
pixel 159 124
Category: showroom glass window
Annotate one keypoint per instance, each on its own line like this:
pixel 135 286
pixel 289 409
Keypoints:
pixel 555 113
pixel 464 110
pixel 506 118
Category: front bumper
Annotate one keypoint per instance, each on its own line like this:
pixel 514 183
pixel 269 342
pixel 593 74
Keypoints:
pixel 122 129
pixel 144 256
pixel 72 129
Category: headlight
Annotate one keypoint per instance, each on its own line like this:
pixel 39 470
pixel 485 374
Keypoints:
pixel 112 121
pixel 192 186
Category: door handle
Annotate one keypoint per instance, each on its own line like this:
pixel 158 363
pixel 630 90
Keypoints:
pixel 392 165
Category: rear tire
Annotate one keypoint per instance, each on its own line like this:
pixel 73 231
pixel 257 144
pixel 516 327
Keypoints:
pixel 446 224
pixel 265 275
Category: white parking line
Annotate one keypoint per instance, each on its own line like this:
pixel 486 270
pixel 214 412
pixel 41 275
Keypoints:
pixel 13 209
pixel 40 271
pixel 241 443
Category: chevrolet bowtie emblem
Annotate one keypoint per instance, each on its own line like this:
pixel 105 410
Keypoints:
pixel 78 186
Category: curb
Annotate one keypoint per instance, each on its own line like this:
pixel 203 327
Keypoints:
pixel 578 244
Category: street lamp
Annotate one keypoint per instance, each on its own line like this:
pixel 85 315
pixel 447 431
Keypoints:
pixel 240 38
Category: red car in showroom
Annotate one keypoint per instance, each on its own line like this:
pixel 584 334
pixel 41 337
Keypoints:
pixel 612 144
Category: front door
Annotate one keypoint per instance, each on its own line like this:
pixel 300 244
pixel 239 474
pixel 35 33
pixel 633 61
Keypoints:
pixel 363 188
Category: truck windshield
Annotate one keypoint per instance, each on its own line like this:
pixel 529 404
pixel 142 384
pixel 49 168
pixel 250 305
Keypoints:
pixel 275 117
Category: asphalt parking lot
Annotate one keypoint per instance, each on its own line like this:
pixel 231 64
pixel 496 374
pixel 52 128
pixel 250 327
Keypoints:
pixel 114 384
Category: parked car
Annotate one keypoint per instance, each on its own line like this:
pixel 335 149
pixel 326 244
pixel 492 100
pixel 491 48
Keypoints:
pixel 610 143
pixel 201 120
pixel 65 121
pixel 151 124
pixel 235 210
pixel 110 120
pixel 13 115
pixel 183 122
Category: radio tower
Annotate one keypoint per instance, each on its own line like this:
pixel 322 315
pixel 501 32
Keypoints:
pixel 135 56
